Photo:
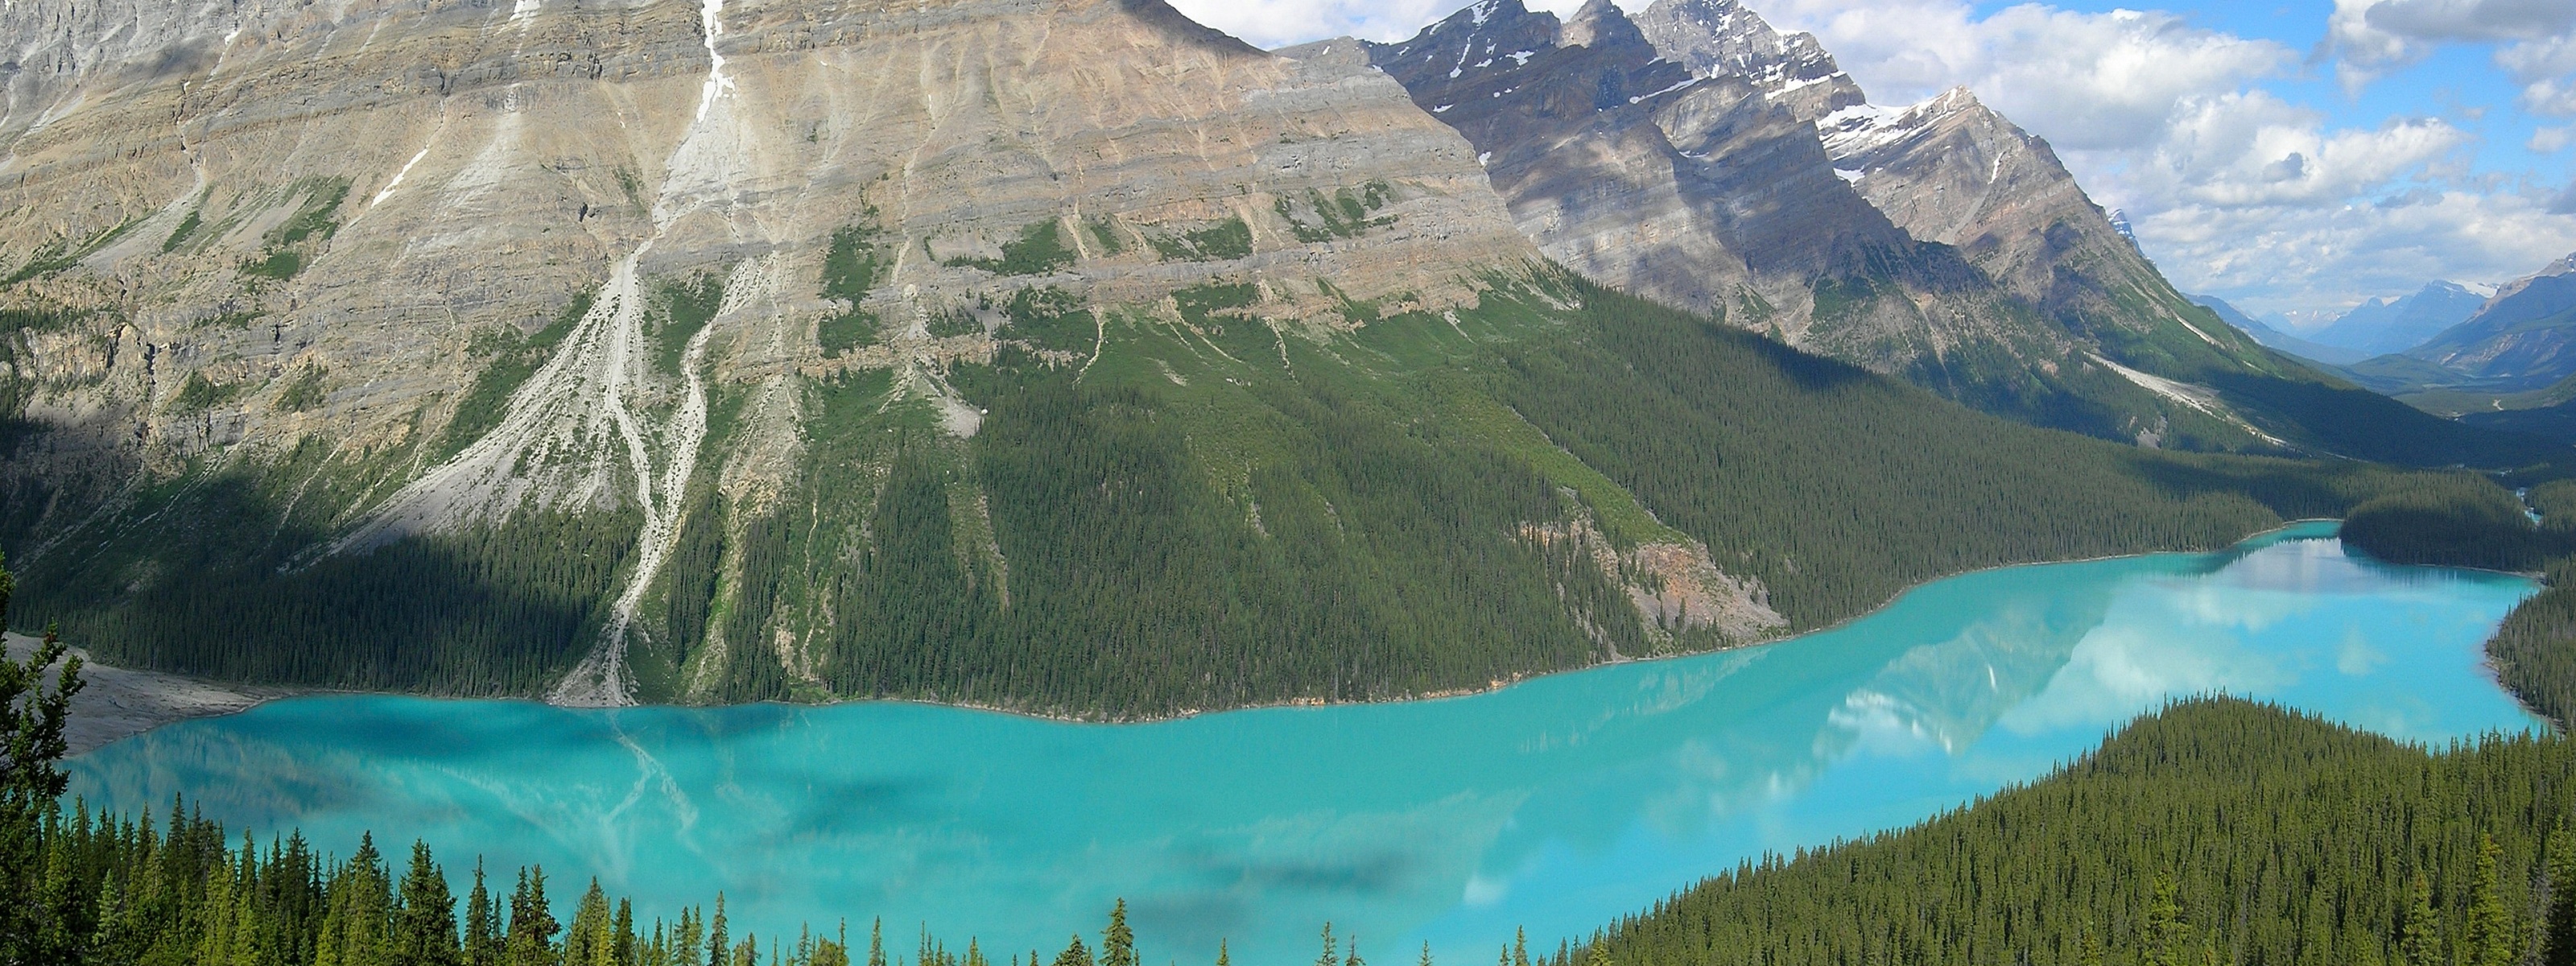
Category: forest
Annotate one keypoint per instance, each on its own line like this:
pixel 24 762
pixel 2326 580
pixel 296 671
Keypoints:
pixel 1216 511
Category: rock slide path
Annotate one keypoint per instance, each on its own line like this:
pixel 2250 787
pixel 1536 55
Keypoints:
pixel 562 432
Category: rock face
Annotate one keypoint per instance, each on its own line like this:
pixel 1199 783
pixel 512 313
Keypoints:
pixel 1721 38
pixel 592 287
pixel 1698 157
pixel 1697 191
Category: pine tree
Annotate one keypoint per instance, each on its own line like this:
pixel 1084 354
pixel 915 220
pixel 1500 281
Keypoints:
pixel 2490 937
pixel 1118 943
pixel 2558 934
pixel 719 945
pixel 483 946
pixel 1351 951
pixel 876 945
pixel 425 925
pixel 1520 946
pixel 1331 956
pixel 2167 935
pixel 1076 954
pixel 32 716
pixel 623 953
pixel 1426 953
pixel 2419 941
pixel 532 925
pixel 1222 959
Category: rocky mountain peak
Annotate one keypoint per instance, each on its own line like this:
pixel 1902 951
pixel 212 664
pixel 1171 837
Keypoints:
pixel 1600 24
pixel 1722 38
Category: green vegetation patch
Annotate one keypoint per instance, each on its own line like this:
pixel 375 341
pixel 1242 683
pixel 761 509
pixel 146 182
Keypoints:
pixel 513 360
pixel 1041 249
pixel 1051 318
pixel 1344 214
pixel 180 235
pixel 1105 234
pixel 304 393
pixel 680 310
pixel 197 394
pixel 1226 241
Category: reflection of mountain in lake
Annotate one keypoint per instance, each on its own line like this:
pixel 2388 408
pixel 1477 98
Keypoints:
pixel 1558 804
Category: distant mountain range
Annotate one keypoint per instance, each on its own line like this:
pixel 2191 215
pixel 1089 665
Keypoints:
pixel 2277 339
pixel 2386 325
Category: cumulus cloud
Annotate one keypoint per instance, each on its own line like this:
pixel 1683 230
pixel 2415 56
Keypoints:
pixel 2538 38
pixel 2233 190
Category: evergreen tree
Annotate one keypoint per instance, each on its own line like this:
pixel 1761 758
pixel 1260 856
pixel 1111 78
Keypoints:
pixel 2419 941
pixel 2558 933
pixel 483 940
pixel 1351 951
pixel 719 945
pixel 532 925
pixel 32 715
pixel 1426 953
pixel 1222 959
pixel 1331 956
pixel 2490 937
pixel 876 942
pixel 1118 943
pixel 1075 954
pixel 425 925
pixel 2167 934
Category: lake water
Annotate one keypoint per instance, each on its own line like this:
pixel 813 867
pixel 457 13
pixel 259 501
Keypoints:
pixel 1557 804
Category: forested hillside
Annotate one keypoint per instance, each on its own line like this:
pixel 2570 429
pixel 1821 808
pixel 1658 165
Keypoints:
pixel 1211 510
pixel 2215 832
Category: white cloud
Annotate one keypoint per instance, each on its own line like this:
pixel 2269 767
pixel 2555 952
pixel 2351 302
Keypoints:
pixel 2369 37
pixel 2550 140
pixel 2233 190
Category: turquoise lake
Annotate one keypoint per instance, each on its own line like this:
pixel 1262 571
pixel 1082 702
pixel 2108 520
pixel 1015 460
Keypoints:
pixel 1557 804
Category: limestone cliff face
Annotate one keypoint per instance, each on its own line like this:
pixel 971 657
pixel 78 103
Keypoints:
pixel 1698 191
pixel 1722 38
pixel 1953 171
pixel 1694 155
pixel 252 234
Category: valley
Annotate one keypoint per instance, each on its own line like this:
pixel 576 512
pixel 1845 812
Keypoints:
pixel 778 472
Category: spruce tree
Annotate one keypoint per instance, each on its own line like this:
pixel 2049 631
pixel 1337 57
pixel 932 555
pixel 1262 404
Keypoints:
pixel 1076 954
pixel 2558 934
pixel 719 945
pixel 32 716
pixel 2167 935
pixel 532 925
pixel 1118 943
pixel 2419 939
pixel 2490 938
pixel 1222 959
pixel 482 930
pixel 425 923
pixel 1331 956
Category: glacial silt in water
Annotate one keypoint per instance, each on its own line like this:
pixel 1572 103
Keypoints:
pixel 1557 804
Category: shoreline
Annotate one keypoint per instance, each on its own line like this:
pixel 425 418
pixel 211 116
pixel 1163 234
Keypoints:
pixel 116 703
pixel 140 701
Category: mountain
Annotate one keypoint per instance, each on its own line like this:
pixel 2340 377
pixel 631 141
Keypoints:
pixel 2523 335
pixel 1060 355
pixel 2390 325
pixel 2275 338
pixel 1697 157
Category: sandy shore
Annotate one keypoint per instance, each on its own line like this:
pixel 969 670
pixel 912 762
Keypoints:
pixel 118 703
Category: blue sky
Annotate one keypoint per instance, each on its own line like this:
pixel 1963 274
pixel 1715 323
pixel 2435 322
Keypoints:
pixel 2294 157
